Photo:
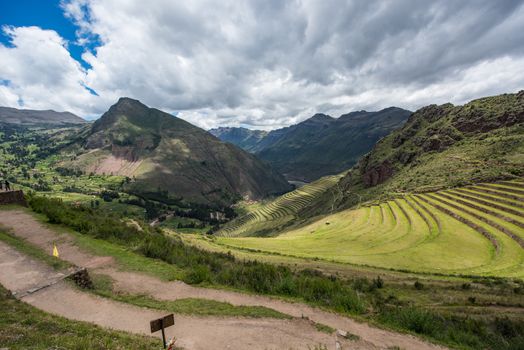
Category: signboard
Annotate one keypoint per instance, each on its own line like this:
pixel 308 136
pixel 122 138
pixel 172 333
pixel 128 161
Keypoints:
pixel 161 324
pixel 164 322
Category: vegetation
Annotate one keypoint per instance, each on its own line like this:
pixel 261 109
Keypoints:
pixel 204 267
pixel 374 300
pixel 463 231
pixel 265 219
pixel 25 327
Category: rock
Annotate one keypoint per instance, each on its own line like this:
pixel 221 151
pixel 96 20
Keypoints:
pixel 378 174
pixel 82 279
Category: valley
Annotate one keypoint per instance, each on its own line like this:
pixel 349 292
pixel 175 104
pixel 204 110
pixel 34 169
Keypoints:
pixel 423 236
pixel 261 175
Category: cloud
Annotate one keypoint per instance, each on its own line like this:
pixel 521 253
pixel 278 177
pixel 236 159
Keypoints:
pixel 40 73
pixel 266 64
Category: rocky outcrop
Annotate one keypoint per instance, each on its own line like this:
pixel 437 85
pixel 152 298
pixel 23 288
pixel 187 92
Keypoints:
pixel 378 174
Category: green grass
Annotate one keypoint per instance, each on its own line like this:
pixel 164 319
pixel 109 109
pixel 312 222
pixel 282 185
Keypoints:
pixel 408 233
pixel 25 327
pixel 128 259
pixel 324 328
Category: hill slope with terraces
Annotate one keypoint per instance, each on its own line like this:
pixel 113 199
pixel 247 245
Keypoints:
pixel 265 219
pixel 472 230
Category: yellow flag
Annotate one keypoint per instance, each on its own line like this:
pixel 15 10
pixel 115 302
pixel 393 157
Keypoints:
pixel 55 251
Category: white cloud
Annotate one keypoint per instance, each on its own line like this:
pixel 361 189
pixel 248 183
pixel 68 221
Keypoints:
pixel 267 64
pixel 40 73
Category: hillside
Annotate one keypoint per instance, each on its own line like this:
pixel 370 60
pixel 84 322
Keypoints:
pixel 29 117
pixel 322 145
pixel 170 157
pixel 244 138
pixel 474 230
pixel 268 218
pixel 438 147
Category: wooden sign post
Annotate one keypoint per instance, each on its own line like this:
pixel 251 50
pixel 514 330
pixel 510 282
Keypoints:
pixel 160 324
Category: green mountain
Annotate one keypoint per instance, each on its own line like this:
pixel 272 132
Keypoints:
pixel 29 117
pixel 244 138
pixel 165 153
pixel 439 147
pixel 322 145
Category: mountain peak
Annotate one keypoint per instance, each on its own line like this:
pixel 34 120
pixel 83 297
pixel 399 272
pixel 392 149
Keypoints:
pixel 321 117
pixel 127 102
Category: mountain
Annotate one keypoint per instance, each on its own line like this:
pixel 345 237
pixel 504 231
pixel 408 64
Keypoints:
pixel 440 146
pixel 164 153
pixel 29 117
pixel 244 138
pixel 322 145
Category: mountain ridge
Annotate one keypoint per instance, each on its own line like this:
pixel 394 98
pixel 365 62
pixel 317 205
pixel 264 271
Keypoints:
pixel 322 145
pixel 165 153
pixel 32 117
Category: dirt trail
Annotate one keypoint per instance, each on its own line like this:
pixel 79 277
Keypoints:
pixel 18 272
pixel 25 225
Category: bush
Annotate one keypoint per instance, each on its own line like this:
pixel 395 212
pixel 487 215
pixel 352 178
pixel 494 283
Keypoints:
pixel 198 274
pixel 378 283
pixel 418 285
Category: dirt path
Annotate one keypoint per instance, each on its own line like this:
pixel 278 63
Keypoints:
pixel 25 225
pixel 18 273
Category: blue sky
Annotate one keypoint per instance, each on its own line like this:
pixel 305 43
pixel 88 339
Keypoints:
pixel 258 64
pixel 46 14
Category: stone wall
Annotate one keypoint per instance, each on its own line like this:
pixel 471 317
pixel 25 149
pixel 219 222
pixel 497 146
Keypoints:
pixel 12 197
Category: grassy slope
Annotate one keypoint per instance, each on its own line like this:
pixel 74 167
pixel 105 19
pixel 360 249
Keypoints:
pixel 445 146
pixel 412 233
pixel 262 219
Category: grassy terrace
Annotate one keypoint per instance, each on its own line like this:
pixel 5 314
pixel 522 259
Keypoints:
pixel 475 230
pixel 262 219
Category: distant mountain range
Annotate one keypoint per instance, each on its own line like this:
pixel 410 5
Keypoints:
pixel 164 153
pixel 320 145
pixel 246 139
pixel 29 117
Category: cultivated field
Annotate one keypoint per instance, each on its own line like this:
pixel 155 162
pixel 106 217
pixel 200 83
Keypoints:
pixel 474 230
pixel 262 219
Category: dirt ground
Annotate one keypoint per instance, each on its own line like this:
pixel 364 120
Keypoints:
pixel 193 332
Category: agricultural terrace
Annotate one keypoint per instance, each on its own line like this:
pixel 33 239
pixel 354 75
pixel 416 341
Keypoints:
pixel 276 213
pixel 474 230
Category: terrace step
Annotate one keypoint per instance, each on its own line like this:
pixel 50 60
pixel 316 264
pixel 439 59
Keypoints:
pixel 465 221
pixel 503 229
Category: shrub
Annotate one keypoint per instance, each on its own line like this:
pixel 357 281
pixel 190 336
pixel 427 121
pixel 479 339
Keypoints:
pixel 378 282
pixel 418 285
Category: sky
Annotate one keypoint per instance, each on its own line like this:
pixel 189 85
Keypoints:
pixel 260 64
